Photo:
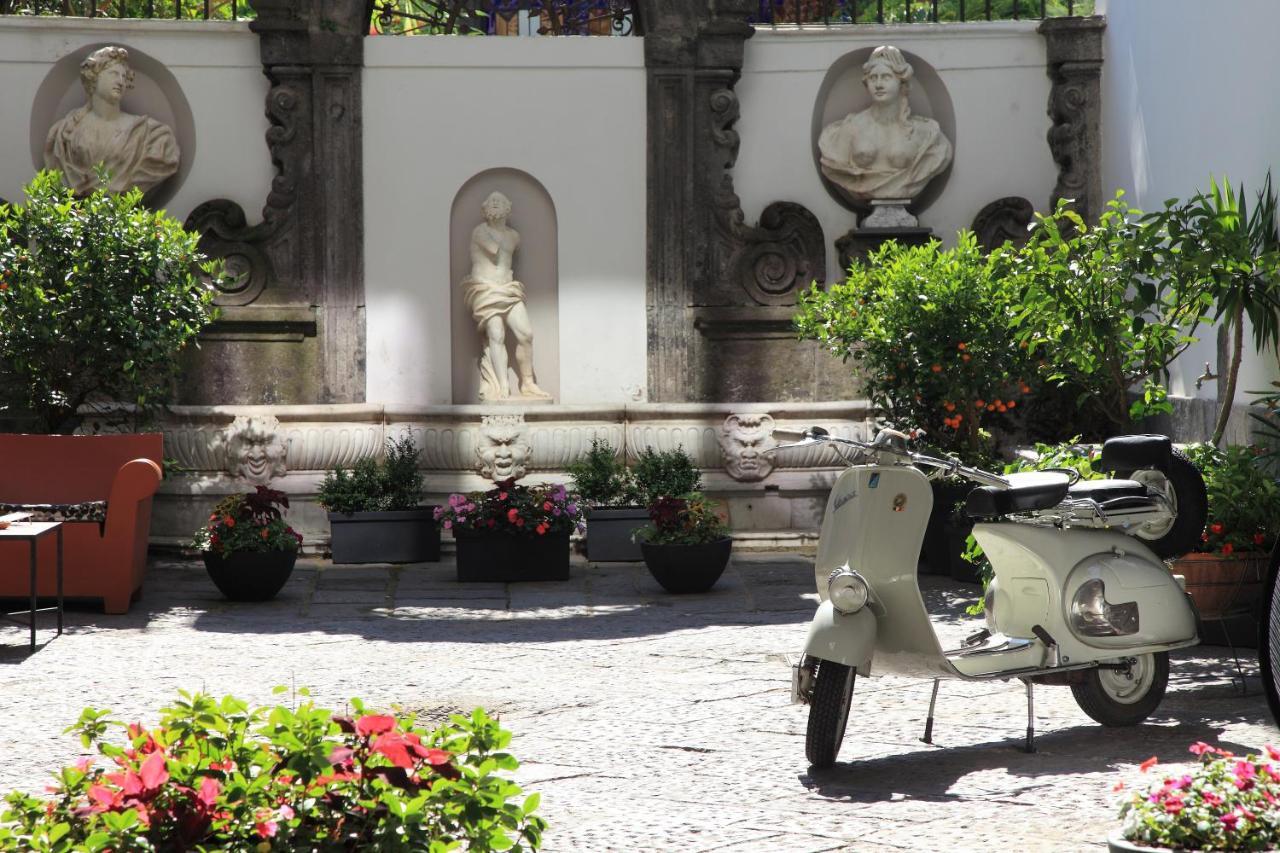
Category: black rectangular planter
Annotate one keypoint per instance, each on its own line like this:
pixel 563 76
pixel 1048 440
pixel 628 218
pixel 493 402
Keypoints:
pixel 502 558
pixel 405 536
pixel 609 532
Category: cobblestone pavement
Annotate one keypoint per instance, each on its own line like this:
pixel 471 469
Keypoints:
pixel 647 721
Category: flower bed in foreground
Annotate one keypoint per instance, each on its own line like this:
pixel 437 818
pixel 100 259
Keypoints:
pixel 218 774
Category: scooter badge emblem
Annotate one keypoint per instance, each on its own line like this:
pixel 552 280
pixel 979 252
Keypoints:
pixel 899 502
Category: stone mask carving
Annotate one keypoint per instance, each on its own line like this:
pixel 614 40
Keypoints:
pixel 503 450
pixel 743 442
pixel 255 450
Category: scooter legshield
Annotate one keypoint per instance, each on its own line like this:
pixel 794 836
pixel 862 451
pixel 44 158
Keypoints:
pixel 845 638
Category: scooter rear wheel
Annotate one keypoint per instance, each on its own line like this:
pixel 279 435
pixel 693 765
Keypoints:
pixel 828 712
pixel 1115 699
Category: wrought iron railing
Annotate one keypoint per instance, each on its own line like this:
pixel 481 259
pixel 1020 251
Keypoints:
pixel 183 10
pixel 839 12
pixel 505 17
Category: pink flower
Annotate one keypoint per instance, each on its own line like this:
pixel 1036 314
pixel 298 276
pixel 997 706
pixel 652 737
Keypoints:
pixel 448 525
pixel 1273 753
pixel 1200 748
pixel 1211 798
pixel 374 724
pixel 1173 805
pixel 1229 820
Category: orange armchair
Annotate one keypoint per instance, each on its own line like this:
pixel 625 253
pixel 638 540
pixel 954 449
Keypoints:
pixel 106 560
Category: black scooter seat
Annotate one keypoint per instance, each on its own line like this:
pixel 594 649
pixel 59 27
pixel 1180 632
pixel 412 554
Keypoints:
pixel 1125 454
pixel 1107 490
pixel 1029 491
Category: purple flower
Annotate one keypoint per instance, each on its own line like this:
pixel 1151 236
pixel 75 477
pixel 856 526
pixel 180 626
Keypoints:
pixel 438 512
pixel 582 528
pixel 456 500
pixel 555 510
pixel 572 508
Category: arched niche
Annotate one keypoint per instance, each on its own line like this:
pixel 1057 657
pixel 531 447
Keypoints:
pixel 155 93
pixel 536 265
pixel 842 92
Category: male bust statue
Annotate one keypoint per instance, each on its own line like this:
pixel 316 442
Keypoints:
pixel 496 301
pixel 137 151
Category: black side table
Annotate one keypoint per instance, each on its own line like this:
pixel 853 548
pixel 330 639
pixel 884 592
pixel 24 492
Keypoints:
pixel 31 532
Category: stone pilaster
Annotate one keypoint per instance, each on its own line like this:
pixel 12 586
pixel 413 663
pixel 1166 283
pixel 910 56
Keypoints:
pixel 294 326
pixel 1075 106
pixel 719 290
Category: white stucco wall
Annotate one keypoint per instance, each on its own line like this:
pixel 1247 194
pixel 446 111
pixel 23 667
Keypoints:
pixel 1188 91
pixel 217 67
pixel 571 113
pixel 994 73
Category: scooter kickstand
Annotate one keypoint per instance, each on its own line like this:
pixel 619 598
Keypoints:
pixel 1031 720
pixel 928 723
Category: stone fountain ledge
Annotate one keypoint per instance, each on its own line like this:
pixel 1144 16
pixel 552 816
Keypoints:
pixel 773 501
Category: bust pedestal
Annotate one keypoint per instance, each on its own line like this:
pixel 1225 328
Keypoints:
pixel 857 243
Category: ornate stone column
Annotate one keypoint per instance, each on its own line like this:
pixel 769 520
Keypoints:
pixel 1075 105
pixel 293 326
pixel 720 292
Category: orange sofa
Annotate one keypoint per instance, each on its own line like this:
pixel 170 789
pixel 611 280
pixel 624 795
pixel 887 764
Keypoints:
pixel 104 560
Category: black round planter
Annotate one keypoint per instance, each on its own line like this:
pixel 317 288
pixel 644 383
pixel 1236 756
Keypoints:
pixel 687 568
pixel 250 575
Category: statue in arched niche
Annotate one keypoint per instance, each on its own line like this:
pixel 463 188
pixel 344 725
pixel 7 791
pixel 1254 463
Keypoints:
pixel 137 151
pixel 496 302
pixel 884 152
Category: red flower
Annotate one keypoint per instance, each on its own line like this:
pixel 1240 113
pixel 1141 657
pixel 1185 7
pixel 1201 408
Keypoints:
pixel 154 772
pixel 1227 549
pixel 1272 752
pixel 1148 764
pixel 1211 798
pixel 400 749
pixel 209 790
pixel 546 505
pixel 1173 805
pixel 374 724
pixel 512 515
pixel 1215 528
pixel 1259 538
pixel 1200 748
pixel 1229 821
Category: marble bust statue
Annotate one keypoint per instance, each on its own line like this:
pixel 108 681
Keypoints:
pixel 496 302
pixel 137 151
pixel 884 152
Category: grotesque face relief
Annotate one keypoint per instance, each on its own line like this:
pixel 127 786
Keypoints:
pixel 255 450
pixel 743 442
pixel 503 449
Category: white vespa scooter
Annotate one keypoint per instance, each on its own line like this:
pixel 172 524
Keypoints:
pixel 1080 594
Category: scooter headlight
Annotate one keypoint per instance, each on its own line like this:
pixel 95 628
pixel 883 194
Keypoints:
pixel 847 590
pixel 1093 616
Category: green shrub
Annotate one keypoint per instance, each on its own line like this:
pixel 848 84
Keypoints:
pixel 217 774
pixel 602 478
pixel 931 330
pixel 372 485
pixel 1244 499
pixel 688 520
pixel 669 473
pixel 97 297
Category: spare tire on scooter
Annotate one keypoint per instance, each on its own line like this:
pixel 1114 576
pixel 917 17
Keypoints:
pixel 1183 487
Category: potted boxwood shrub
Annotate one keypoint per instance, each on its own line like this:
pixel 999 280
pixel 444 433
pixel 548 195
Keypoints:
pixel 375 512
pixel 686 546
pixel 512 532
pixel 248 548
pixel 1227 803
pixel 1226 573
pixel 614 509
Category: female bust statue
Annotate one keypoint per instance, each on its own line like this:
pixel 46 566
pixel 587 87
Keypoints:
pixel 884 152
pixel 137 151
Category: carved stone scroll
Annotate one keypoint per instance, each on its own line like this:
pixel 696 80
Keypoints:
pixel 1004 220
pixel 1074 49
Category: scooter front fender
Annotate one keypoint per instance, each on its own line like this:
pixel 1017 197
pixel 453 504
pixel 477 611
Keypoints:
pixel 846 638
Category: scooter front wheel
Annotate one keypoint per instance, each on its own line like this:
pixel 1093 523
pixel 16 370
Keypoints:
pixel 828 712
pixel 1116 697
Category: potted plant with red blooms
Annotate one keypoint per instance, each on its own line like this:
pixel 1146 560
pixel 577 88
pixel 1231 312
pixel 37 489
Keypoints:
pixel 1226 803
pixel 1227 571
pixel 687 544
pixel 248 548
pixel 512 532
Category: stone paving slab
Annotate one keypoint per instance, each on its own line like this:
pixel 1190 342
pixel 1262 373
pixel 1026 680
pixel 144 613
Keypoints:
pixel 647 721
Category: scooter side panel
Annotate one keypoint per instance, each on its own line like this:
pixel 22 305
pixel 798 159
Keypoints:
pixel 847 638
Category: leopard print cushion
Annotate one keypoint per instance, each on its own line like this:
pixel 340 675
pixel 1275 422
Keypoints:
pixel 83 511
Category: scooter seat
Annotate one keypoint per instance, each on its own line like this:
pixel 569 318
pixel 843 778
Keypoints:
pixel 1107 490
pixel 1028 491
pixel 1125 454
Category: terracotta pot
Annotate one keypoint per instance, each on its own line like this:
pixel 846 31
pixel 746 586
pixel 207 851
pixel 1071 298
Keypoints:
pixel 250 575
pixel 1222 586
